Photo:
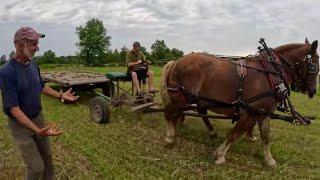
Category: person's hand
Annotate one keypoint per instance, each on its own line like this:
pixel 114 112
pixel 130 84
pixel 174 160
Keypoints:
pixel 139 62
pixel 69 96
pixel 49 130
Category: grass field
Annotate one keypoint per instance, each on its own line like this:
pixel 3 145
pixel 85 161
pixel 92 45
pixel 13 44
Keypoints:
pixel 132 147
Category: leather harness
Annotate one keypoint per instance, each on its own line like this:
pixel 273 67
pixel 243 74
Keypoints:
pixel 280 91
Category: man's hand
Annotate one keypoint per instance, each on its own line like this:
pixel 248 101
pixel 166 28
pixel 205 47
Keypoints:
pixel 69 96
pixel 49 130
pixel 139 61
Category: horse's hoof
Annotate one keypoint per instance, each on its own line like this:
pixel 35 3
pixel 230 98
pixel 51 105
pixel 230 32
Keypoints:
pixel 217 153
pixel 252 138
pixel 169 145
pixel 270 163
pixel 220 160
pixel 169 142
pixel 213 134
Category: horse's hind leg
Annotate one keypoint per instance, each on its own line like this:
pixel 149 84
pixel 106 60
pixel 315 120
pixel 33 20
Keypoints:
pixel 206 121
pixel 264 127
pixel 242 126
pixel 172 117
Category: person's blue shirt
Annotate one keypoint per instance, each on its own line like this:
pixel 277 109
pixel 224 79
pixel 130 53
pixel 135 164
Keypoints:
pixel 21 85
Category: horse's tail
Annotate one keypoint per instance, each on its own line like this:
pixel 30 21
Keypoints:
pixel 164 82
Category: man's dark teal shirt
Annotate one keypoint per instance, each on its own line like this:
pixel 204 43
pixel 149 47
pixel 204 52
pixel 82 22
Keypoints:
pixel 21 85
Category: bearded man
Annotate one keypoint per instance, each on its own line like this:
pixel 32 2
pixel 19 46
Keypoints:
pixel 21 88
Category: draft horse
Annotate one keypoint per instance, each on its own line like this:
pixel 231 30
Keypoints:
pixel 248 89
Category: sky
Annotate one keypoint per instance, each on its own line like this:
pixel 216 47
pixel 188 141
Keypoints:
pixel 226 27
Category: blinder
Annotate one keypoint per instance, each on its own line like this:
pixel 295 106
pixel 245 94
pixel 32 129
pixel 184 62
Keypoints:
pixel 313 68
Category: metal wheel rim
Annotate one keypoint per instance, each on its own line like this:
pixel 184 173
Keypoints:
pixel 96 112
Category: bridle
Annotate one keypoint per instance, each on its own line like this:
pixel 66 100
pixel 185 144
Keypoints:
pixel 301 70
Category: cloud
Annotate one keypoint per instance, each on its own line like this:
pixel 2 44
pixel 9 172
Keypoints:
pixel 231 27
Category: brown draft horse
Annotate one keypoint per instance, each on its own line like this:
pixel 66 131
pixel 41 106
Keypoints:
pixel 214 78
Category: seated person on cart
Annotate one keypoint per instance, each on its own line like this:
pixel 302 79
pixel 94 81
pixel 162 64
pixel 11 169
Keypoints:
pixel 138 68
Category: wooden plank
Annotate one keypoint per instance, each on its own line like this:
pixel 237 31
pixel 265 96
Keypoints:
pixel 153 109
pixel 195 114
pixel 142 106
pixel 74 78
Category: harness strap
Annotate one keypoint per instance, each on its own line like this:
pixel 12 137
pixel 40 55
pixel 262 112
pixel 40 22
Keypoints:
pixel 284 71
pixel 255 68
pixel 222 104
pixel 283 74
pixel 242 73
pixel 270 81
pixel 214 102
pixel 242 68
pixel 260 96
pixel 239 103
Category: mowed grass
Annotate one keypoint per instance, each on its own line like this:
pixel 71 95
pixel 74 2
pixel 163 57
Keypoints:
pixel 132 146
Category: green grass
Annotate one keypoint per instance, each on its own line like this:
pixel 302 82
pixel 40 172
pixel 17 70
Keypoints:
pixel 132 146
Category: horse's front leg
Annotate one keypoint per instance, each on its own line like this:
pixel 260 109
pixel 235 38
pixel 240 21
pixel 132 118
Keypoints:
pixel 172 119
pixel 212 133
pixel 264 127
pixel 206 121
pixel 250 136
pixel 241 126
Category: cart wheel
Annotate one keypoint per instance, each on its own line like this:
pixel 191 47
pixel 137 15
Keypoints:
pixel 99 110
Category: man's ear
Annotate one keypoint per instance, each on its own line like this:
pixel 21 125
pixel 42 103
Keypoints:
pixel 20 44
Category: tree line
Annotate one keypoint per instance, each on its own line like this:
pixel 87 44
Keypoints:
pixel 94 49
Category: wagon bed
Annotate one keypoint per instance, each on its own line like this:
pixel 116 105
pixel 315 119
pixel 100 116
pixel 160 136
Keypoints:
pixel 79 81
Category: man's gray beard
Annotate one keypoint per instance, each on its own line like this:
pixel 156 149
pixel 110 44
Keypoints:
pixel 28 54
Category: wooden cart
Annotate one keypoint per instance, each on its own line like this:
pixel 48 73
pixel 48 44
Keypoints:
pixel 79 81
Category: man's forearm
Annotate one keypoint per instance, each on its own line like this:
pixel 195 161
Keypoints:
pixel 50 92
pixel 23 119
pixel 132 63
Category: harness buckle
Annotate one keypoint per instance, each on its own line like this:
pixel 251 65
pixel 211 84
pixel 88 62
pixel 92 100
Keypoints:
pixel 282 90
pixel 283 106
pixel 240 92
pixel 309 58
pixel 270 59
pixel 238 104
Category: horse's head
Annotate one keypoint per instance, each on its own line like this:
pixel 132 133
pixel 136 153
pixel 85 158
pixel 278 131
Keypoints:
pixel 302 63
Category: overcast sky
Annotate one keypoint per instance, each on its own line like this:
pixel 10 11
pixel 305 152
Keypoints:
pixel 230 27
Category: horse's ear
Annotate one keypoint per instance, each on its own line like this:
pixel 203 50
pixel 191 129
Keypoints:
pixel 314 46
pixel 306 41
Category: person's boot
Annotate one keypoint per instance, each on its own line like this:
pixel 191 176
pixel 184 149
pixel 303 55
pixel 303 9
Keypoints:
pixel 140 95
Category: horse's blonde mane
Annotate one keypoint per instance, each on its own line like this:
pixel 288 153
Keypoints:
pixel 163 83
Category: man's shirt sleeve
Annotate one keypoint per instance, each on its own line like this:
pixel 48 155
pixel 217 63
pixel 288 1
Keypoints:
pixel 128 58
pixel 9 94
